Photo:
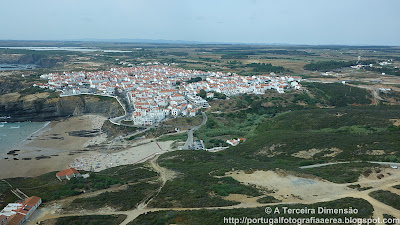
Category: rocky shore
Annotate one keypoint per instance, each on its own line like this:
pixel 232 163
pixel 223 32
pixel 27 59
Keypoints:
pixel 41 107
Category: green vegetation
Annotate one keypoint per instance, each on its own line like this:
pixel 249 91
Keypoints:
pixel 333 65
pixel 129 173
pixel 194 80
pixel 228 185
pixel 268 199
pixel 34 90
pixel 265 68
pixel 353 130
pixel 174 137
pixel 396 186
pixel 341 173
pixel 224 126
pixel 219 95
pixel 358 187
pixel 121 200
pixel 387 197
pixel 385 69
pixel 338 94
pixel 211 217
pixel 306 98
pixel 183 122
pixel 289 52
pixel 232 55
pixel 202 94
pixel 340 134
pixel 327 65
pixel 390 220
pixel 335 120
pixel 113 130
pixel 196 189
pixel 91 220
pixel 49 188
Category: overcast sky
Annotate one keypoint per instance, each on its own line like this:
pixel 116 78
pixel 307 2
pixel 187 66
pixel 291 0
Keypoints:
pixel 350 22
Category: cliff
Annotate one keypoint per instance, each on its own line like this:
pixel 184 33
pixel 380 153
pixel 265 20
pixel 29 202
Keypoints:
pixel 39 107
pixel 43 61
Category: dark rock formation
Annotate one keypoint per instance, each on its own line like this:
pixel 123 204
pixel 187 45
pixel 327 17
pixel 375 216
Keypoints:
pixel 43 61
pixel 39 107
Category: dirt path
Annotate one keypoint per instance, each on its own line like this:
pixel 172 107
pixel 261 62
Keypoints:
pixel 379 207
pixel 341 191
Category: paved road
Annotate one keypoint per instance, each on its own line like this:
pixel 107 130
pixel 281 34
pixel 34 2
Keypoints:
pixel 334 163
pixel 189 141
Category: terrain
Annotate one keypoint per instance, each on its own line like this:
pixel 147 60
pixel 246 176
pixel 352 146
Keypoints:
pixel 334 143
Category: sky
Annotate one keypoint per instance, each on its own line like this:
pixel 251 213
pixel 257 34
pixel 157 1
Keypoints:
pixel 311 22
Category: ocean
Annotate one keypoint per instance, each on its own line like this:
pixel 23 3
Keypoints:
pixel 11 134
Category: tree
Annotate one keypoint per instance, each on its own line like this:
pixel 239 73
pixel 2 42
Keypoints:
pixel 202 93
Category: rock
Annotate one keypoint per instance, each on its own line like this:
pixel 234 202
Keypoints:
pixel 39 107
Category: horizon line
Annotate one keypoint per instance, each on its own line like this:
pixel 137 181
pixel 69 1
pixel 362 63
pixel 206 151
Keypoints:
pixel 167 41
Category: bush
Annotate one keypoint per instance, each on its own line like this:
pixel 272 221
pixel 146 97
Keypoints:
pixel 387 197
pixel 91 220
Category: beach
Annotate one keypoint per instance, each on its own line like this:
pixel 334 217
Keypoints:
pixel 53 147
pixel 30 168
pixel 76 142
pixel 72 134
pixel 97 161
pixel 13 134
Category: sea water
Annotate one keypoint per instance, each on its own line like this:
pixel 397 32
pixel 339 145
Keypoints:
pixel 11 134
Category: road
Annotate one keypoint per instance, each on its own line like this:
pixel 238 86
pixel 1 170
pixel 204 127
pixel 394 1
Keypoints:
pixel 334 163
pixel 165 175
pixel 189 141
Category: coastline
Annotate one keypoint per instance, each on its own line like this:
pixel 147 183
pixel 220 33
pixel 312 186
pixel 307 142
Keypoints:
pixel 17 134
pixel 142 151
pixel 52 147
pixel 38 132
pixel 30 168
pixel 57 146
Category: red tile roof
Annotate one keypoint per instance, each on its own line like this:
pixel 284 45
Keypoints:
pixel 15 219
pixel 67 172
pixel 32 201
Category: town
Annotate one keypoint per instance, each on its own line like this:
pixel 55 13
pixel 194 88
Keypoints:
pixel 157 92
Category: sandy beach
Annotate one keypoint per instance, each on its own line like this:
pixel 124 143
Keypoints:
pixel 66 136
pixel 66 143
pixel 97 161
pixel 30 168
pixel 56 141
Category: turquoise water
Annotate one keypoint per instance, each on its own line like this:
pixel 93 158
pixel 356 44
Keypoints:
pixel 12 134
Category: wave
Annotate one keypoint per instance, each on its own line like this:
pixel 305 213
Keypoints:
pixel 45 125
